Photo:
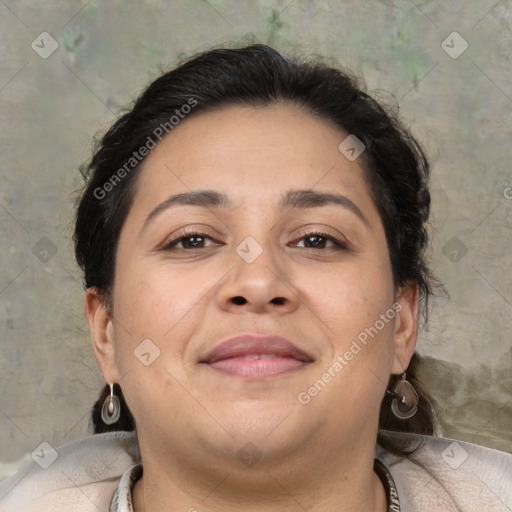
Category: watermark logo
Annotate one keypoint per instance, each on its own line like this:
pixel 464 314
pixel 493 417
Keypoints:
pixel 454 249
pixel 351 147
pixel 137 156
pixel 44 45
pixel 249 249
pixel 249 455
pixel 304 397
pixel 44 250
pixel 454 45
pixel 45 455
pixel 454 455
pixel 146 352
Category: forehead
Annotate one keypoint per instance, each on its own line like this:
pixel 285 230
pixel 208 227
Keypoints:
pixel 251 150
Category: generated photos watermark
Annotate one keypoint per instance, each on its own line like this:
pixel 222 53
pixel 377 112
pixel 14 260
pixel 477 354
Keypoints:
pixel 304 397
pixel 158 133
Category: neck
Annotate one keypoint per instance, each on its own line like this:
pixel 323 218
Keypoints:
pixel 316 481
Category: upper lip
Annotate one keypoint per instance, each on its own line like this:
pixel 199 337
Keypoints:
pixel 246 344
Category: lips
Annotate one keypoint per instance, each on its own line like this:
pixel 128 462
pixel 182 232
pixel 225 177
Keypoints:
pixel 253 355
pixel 252 344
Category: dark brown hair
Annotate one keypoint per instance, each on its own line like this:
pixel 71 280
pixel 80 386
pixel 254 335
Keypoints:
pixel 396 167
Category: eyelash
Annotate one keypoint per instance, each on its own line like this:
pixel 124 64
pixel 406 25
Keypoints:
pixel 339 245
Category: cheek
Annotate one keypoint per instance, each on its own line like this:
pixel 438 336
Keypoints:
pixel 157 304
pixel 148 300
pixel 356 304
pixel 359 314
pixel 151 317
pixel 352 297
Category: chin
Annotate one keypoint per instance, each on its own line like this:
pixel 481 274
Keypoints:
pixel 261 421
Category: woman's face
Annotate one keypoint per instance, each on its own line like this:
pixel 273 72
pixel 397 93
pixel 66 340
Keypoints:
pixel 256 267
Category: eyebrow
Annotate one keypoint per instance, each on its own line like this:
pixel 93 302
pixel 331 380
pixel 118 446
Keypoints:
pixel 300 199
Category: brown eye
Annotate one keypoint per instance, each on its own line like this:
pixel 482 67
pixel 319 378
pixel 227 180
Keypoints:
pixel 319 241
pixel 194 240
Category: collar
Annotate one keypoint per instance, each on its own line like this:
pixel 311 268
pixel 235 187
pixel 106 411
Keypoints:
pixel 122 498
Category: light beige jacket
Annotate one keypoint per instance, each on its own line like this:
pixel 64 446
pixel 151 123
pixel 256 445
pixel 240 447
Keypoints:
pixel 82 476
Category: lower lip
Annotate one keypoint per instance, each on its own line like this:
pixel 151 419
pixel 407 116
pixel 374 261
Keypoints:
pixel 257 367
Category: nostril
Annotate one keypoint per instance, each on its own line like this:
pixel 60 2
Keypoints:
pixel 241 300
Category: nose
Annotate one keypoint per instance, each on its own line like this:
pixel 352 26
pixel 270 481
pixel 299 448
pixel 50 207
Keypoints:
pixel 258 281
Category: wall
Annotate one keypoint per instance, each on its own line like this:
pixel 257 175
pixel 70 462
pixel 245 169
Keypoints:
pixel 456 100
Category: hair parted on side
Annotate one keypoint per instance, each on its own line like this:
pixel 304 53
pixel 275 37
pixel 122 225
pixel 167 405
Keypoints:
pixel 395 165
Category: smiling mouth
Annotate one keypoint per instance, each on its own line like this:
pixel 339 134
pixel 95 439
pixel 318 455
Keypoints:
pixel 253 356
pixel 257 365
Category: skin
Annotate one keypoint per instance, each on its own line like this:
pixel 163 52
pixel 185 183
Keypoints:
pixel 192 420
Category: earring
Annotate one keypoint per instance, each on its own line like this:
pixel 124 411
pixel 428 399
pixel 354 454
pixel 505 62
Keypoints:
pixel 405 403
pixel 111 409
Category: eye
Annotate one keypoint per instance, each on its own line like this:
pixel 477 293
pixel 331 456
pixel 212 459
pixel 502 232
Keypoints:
pixel 189 240
pixel 196 240
pixel 318 240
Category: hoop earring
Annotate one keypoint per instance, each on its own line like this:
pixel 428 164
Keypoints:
pixel 405 403
pixel 111 410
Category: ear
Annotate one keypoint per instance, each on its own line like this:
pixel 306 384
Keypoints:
pixel 406 326
pixel 102 334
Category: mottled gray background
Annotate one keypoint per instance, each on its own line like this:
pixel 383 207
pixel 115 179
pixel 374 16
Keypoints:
pixel 107 51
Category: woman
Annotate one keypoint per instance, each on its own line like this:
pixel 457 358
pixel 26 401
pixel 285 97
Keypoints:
pixel 252 235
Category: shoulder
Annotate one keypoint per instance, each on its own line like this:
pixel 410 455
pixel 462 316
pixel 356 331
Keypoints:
pixel 450 475
pixel 80 476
